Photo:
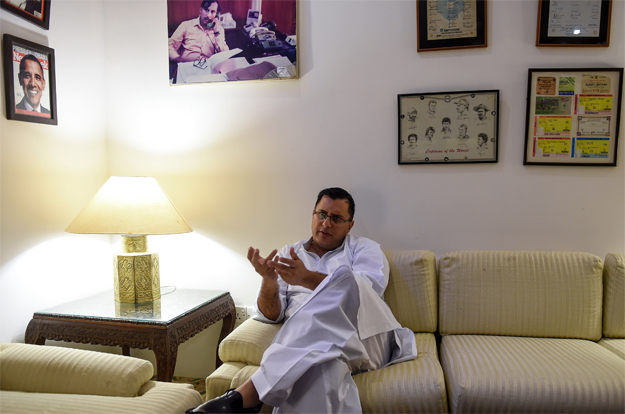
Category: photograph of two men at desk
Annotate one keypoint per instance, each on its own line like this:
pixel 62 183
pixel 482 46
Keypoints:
pixel 231 40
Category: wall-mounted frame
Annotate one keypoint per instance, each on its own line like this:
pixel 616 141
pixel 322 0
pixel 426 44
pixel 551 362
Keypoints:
pixel 573 116
pixel 35 11
pixel 574 23
pixel 448 127
pixel 29 81
pixel 451 24
pixel 246 40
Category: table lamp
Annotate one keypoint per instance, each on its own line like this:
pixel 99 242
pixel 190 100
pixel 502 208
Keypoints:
pixel 132 207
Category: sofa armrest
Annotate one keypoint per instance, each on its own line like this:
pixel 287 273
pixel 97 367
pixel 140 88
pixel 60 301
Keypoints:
pixel 613 292
pixel 49 369
pixel 248 342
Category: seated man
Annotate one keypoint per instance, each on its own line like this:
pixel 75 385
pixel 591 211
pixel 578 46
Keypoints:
pixel 329 291
pixel 199 38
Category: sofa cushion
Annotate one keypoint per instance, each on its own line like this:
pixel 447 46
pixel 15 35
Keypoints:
pixel 389 389
pixel 494 374
pixel 248 342
pixel 613 293
pixel 538 294
pixel 50 369
pixel 411 292
pixel 221 379
pixel 383 390
pixel 614 345
pixel 161 398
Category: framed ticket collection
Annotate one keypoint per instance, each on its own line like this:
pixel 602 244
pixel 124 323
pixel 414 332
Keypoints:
pixel 448 127
pixel 573 116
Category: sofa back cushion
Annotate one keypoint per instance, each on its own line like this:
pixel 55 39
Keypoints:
pixel 613 294
pixel 539 294
pixel 411 292
pixel 50 369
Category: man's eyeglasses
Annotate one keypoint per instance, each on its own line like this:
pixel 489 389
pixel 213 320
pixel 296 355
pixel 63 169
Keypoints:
pixel 335 219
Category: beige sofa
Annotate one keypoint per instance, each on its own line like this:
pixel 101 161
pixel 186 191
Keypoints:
pixel 519 334
pixel 413 386
pixel 614 304
pixel 48 379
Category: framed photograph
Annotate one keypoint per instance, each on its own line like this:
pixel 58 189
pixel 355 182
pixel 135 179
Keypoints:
pixel 231 40
pixel 450 24
pixel 573 116
pixel 574 23
pixel 35 11
pixel 29 81
pixel 448 127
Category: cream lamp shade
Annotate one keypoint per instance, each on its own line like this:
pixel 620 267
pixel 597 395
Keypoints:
pixel 133 207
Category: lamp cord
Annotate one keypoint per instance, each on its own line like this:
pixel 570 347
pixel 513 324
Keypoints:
pixel 163 287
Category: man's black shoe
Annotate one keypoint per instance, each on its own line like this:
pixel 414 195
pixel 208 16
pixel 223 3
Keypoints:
pixel 230 402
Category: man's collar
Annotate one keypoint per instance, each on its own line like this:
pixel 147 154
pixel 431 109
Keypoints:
pixel 198 23
pixel 307 245
pixel 30 108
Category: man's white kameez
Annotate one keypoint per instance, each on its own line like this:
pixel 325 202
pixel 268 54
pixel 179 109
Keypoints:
pixel 341 328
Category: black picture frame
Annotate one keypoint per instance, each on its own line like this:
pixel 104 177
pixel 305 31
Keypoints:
pixel 552 32
pixel 466 28
pixel 448 127
pixel 573 116
pixel 14 50
pixel 35 11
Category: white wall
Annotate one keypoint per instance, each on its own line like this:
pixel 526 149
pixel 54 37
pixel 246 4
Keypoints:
pixel 47 172
pixel 243 162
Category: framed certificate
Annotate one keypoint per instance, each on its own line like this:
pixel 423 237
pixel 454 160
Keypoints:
pixel 448 127
pixel 573 116
pixel 574 23
pixel 450 24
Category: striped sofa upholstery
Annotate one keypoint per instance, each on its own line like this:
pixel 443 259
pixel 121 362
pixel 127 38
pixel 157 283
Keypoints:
pixel 35 378
pixel 519 332
pixel 614 304
pixel 412 386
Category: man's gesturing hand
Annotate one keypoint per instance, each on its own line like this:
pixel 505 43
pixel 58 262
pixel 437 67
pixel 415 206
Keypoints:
pixel 261 265
pixel 294 272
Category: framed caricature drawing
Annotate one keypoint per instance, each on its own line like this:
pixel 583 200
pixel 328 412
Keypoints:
pixel 448 127
pixel 29 81
pixel 573 116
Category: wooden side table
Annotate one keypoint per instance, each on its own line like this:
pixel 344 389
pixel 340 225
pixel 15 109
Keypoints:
pixel 161 325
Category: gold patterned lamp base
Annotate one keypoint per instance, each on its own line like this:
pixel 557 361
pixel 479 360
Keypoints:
pixel 137 276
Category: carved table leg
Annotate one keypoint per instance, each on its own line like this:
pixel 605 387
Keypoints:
pixel 32 333
pixel 226 327
pixel 166 353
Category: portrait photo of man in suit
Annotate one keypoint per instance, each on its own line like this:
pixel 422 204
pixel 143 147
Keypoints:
pixel 33 83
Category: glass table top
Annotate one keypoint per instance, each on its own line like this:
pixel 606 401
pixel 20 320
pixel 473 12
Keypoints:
pixel 104 306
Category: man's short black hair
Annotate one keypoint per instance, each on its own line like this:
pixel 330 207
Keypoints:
pixel 207 3
pixel 336 193
pixel 23 63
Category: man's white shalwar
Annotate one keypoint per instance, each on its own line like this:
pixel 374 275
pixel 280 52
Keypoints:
pixel 341 328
